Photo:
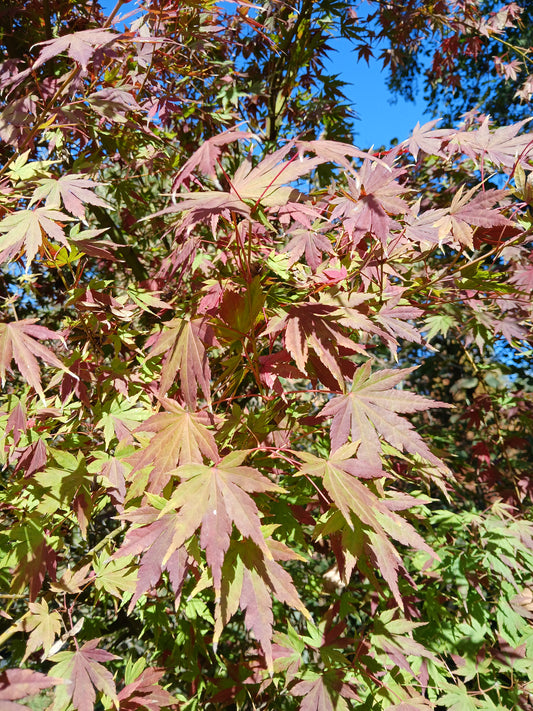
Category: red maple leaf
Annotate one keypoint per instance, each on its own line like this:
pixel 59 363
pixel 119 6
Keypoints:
pixel 80 46
pixel 145 693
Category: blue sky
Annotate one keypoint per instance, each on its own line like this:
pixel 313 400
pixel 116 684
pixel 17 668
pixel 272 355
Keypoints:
pixel 382 116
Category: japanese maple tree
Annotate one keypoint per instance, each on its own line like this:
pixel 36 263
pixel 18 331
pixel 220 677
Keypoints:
pixel 266 410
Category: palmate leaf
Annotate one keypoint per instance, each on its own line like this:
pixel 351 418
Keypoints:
pixel 43 627
pixel 22 232
pixel 84 671
pixel 249 580
pixel 369 410
pixel 73 190
pixel 308 241
pixel 145 693
pixel 341 473
pixel 184 344
pixel 314 325
pixel 181 437
pixel 220 500
pixel 468 209
pixel 80 46
pixel 325 693
pixel 19 683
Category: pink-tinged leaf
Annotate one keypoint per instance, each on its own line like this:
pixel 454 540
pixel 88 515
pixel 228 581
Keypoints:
pixel 428 139
pixel 308 241
pixel 181 437
pixel 422 227
pixel 18 342
pixel 23 232
pixel 418 703
pixel 114 471
pixel 19 683
pixel 33 568
pixel 184 345
pixel 114 103
pixel 371 199
pixel 80 46
pixel 155 540
pixel 336 152
pixel 503 146
pixel 205 158
pixel 145 693
pixel 86 673
pixel 221 493
pixel 16 422
pixel 220 497
pixel 266 183
pixel 369 410
pixel 257 605
pixel 315 326
pixel 325 693
pixel 31 459
pixel 72 190
pixel 395 320
pixel 467 210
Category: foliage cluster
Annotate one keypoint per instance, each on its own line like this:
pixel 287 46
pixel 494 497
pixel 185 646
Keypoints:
pixel 266 417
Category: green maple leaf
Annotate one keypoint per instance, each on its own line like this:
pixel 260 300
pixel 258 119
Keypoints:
pixel 43 627
pixel 24 231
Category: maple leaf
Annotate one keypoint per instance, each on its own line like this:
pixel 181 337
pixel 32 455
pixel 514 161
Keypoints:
pixel 181 437
pixel 145 693
pixel 325 693
pixel 43 627
pixel 19 683
pixel 426 138
pixel 314 325
pixel 370 200
pixel 221 498
pixel 503 146
pixel 465 212
pixel 265 184
pixel 369 410
pixel 394 318
pixel 73 190
pixel 155 540
pixel 184 342
pixel 22 231
pixel 39 560
pixel 310 241
pixel 205 157
pixel 80 46
pixel 256 602
pixel 16 422
pixel 341 474
pixel 422 227
pixel 84 671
